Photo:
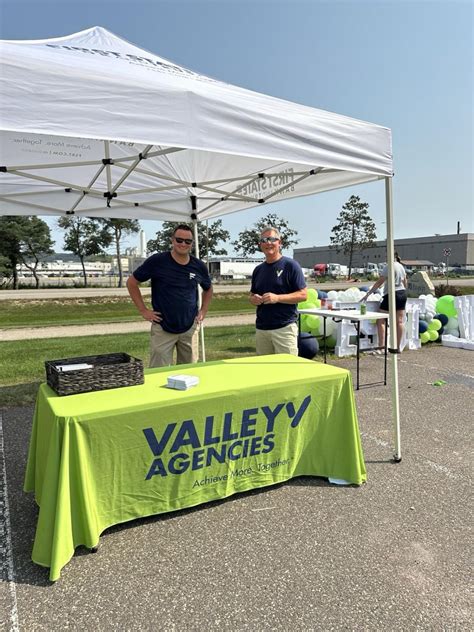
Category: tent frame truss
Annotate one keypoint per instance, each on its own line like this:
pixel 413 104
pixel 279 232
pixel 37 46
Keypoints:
pixel 113 193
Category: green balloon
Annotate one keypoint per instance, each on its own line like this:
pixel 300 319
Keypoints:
pixel 424 337
pixel 445 305
pixel 435 325
pixel 331 342
pixel 307 305
pixel 434 335
pixel 312 295
pixel 312 322
pixel 304 322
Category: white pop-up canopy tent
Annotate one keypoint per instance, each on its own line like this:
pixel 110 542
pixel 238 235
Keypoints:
pixel 92 125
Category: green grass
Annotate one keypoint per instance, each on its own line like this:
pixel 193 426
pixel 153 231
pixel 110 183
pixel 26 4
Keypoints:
pixel 84 311
pixel 22 365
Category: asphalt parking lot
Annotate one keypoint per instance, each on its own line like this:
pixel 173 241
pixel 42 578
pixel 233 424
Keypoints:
pixel 393 554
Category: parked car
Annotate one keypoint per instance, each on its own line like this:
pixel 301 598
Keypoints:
pixel 461 271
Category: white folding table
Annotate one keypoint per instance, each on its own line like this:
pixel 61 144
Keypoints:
pixel 356 318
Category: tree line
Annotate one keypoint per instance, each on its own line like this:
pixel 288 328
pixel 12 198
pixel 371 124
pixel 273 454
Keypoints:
pixel 27 239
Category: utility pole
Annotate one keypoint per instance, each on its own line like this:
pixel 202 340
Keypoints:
pixel 447 253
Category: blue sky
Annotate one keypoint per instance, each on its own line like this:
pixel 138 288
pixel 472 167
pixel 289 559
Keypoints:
pixel 403 64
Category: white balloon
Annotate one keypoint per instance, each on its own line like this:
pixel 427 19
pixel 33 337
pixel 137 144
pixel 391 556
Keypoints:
pixel 452 331
pixel 332 295
pixel 330 327
pixel 453 323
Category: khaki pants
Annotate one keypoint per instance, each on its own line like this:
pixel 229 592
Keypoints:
pixel 163 344
pixel 284 340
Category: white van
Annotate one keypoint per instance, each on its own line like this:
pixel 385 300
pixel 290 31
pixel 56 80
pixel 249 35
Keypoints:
pixel 336 270
pixel 372 270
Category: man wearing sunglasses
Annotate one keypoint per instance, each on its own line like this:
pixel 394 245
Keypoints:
pixel 278 285
pixel 175 315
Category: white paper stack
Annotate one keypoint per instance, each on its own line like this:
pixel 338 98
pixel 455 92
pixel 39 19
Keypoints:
pixel 182 382
pixel 74 367
pixel 338 481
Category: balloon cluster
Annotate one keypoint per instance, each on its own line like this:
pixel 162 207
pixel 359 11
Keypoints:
pixel 439 317
pixel 354 295
pixel 308 345
pixel 312 327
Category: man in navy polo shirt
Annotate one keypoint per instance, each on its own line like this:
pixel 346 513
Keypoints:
pixel 278 285
pixel 175 315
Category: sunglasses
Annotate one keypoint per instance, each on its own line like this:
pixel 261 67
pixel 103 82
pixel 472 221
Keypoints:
pixel 268 240
pixel 180 240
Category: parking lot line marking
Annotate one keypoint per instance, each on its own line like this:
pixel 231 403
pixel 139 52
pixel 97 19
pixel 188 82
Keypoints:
pixel 376 440
pixel 263 509
pixel 7 573
pixel 442 469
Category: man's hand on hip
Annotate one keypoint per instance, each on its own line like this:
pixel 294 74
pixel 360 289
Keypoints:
pixel 153 317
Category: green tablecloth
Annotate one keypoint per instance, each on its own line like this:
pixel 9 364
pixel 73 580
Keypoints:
pixel 99 459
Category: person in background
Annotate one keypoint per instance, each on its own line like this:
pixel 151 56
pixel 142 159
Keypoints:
pixel 278 285
pixel 175 316
pixel 400 299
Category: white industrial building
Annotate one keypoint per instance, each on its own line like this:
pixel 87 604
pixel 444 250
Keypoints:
pixel 431 250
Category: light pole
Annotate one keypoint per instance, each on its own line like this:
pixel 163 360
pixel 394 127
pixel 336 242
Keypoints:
pixel 447 252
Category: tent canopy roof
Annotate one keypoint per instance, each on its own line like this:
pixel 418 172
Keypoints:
pixel 94 125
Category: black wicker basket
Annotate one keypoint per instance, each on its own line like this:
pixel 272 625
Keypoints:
pixel 111 370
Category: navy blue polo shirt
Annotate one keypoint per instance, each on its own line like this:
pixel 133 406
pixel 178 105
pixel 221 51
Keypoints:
pixel 281 277
pixel 174 289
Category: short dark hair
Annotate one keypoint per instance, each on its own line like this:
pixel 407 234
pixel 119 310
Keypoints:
pixel 182 227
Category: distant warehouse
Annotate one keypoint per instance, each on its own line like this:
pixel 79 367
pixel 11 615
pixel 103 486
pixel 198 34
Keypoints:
pixel 416 249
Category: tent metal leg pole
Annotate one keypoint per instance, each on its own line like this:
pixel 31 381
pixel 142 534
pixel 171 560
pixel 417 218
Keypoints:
pixel 201 332
pixel 392 317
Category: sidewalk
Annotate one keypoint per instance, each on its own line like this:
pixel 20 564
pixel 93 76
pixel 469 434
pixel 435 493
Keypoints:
pixel 69 331
pixel 91 292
